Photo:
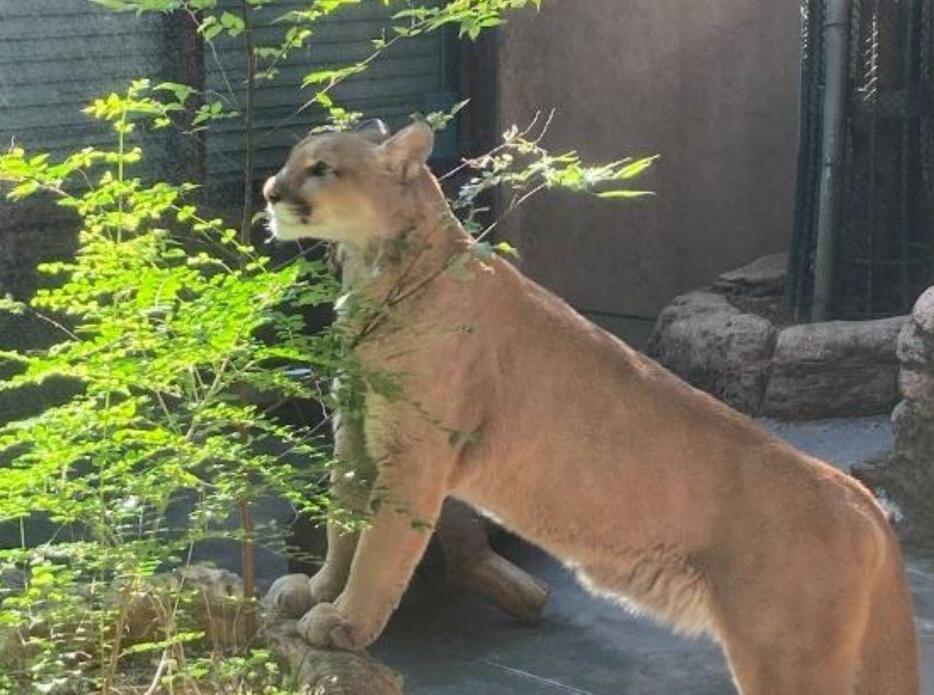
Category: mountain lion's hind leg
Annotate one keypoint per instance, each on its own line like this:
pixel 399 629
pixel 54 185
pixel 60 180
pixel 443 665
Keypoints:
pixel 798 631
pixel 792 670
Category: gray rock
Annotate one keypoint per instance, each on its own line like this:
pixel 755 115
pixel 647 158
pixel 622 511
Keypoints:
pixel 763 277
pixel 833 369
pixel 923 312
pixel 913 430
pixel 917 385
pixel 717 340
pixel 906 476
pixel 915 349
pixel 289 597
pixel 714 346
pixel 687 306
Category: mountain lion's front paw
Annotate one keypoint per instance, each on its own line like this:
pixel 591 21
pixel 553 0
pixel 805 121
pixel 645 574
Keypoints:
pixel 324 626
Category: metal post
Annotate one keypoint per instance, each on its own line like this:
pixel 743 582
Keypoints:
pixel 836 45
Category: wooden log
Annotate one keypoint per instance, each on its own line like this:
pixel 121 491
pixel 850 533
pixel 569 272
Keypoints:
pixel 472 564
pixel 320 671
pixel 327 672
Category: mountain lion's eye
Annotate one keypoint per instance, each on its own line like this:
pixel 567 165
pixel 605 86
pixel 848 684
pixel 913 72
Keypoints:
pixel 318 169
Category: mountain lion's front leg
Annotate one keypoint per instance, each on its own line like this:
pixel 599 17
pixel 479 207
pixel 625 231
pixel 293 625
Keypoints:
pixel 411 489
pixel 351 485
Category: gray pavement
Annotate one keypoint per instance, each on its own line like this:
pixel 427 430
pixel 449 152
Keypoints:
pixel 451 644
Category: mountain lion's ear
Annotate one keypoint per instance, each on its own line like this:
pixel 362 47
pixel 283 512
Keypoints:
pixel 409 149
pixel 373 130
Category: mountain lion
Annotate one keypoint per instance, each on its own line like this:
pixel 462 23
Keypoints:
pixel 653 492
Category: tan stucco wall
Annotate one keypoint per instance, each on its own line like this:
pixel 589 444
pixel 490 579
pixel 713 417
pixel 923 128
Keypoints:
pixel 711 85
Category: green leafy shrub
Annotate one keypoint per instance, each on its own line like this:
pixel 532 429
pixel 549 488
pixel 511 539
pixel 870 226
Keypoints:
pixel 165 321
pixel 178 341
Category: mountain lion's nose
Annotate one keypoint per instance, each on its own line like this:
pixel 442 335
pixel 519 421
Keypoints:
pixel 271 190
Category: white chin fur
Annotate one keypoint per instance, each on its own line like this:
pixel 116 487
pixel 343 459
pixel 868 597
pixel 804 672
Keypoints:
pixel 283 225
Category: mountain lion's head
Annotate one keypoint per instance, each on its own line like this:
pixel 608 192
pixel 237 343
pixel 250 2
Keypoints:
pixel 352 187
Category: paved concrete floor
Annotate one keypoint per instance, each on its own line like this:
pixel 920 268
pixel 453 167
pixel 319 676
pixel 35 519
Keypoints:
pixel 456 645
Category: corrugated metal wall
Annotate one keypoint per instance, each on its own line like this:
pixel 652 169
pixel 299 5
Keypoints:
pixel 57 55
pixel 413 76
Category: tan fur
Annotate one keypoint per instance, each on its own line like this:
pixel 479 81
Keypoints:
pixel 654 492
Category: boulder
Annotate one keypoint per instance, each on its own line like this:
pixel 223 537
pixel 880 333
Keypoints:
pixel 729 340
pixel 923 312
pixel 914 347
pixel 913 430
pixel 714 346
pixel 836 368
pixel 917 385
pixel 906 476
pixel 763 277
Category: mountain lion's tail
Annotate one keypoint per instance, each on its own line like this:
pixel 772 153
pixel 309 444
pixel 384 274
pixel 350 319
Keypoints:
pixel 889 657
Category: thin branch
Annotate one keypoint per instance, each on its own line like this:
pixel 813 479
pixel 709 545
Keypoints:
pixel 472 161
pixel 246 221
pixel 516 203
pixel 220 66
pixel 157 677
pixel 331 85
pixel 52 322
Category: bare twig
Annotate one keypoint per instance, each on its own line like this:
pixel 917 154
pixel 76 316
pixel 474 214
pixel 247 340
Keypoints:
pixel 516 203
pixel 472 161
pixel 220 65
pixel 111 670
pixel 157 676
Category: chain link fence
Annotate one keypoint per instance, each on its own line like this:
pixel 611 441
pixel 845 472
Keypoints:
pixel 884 231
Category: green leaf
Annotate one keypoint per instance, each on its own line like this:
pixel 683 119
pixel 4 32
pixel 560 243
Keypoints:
pixel 505 249
pixel 625 194
pixel 180 91
pixel 635 168
pixel 12 306
pixel 483 250
pixel 234 24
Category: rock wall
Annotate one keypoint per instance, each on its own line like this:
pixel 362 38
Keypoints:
pixel 716 347
pixel 731 341
pixel 907 474
pixel 833 369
